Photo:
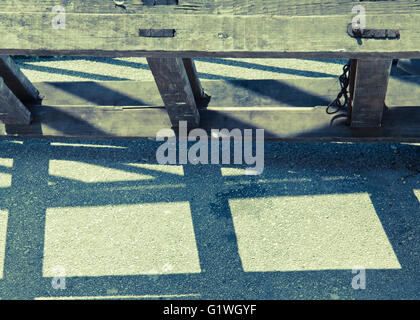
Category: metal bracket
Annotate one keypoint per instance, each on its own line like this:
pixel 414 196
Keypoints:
pixel 157 33
pixel 391 34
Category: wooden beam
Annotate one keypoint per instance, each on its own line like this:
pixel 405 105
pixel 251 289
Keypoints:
pixel 281 107
pixel 279 123
pixel 309 92
pixel 369 92
pixel 206 35
pixel 223 7
pixel 175 89
pixel 12 111
pixel 352 79
pixel 16 81
pixel 244 93
pixel 201 98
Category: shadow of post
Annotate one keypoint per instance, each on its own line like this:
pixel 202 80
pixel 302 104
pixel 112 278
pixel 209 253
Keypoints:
pixel 222 273
pixel 26 223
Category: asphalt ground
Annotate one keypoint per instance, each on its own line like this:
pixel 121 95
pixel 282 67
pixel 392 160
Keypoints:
pixel 104 220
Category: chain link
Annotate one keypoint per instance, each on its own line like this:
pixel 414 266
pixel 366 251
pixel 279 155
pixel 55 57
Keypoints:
pixel 342 101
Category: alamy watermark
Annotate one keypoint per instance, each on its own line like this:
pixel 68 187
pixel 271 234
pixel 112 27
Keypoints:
pixel 59 21
pixel 359 20
pixel 359 280
pixel 58 282
pixel 199 151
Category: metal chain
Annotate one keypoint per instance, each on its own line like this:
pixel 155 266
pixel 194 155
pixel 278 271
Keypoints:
pixel 344 83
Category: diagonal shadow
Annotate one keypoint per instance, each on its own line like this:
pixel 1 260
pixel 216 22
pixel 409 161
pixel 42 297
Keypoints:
pixel 60 119
pixel 277 89
pixel 104 96
pixel 401 232
pixel 66 123
pixel 209 76
pixel 408 78
pixel 222 275
pixel 242 64
pixel 72 73
pixel 145 66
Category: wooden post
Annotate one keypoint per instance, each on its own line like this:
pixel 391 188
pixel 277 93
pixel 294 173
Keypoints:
pixel 176 90
pixel 12 111
pixel 201 98
pixel 369 92
pixel 16 81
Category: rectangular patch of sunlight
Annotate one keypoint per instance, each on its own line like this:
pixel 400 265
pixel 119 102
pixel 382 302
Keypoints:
pixel 3 232
pixel 91 173
pixel 120 240
pixel 256 68
pixel 311 233
pixel 5 178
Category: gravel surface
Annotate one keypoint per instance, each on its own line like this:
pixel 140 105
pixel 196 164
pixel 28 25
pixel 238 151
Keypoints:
pixel 88 68
pixel 116 224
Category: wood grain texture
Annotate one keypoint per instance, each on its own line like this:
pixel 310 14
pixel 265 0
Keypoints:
pixel 279 123
pixel 206 35
pixel 12 111
pixel 370 87
pixel 175 89
pixel 200 97
pixel 283 108
pixel 225 93
pixel 16 81
pixel 220 7
pixel 352 80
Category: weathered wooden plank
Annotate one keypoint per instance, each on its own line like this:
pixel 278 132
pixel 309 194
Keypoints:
pixel 402 91
pixel 206 35
pixel 352 80
pixel 369 93
pixel 17 81
pixel 175 89
pixel 200 97
pixel 237 104
pixel 12 111
pixel 245 93
pixel 226 7
pixel 279 123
